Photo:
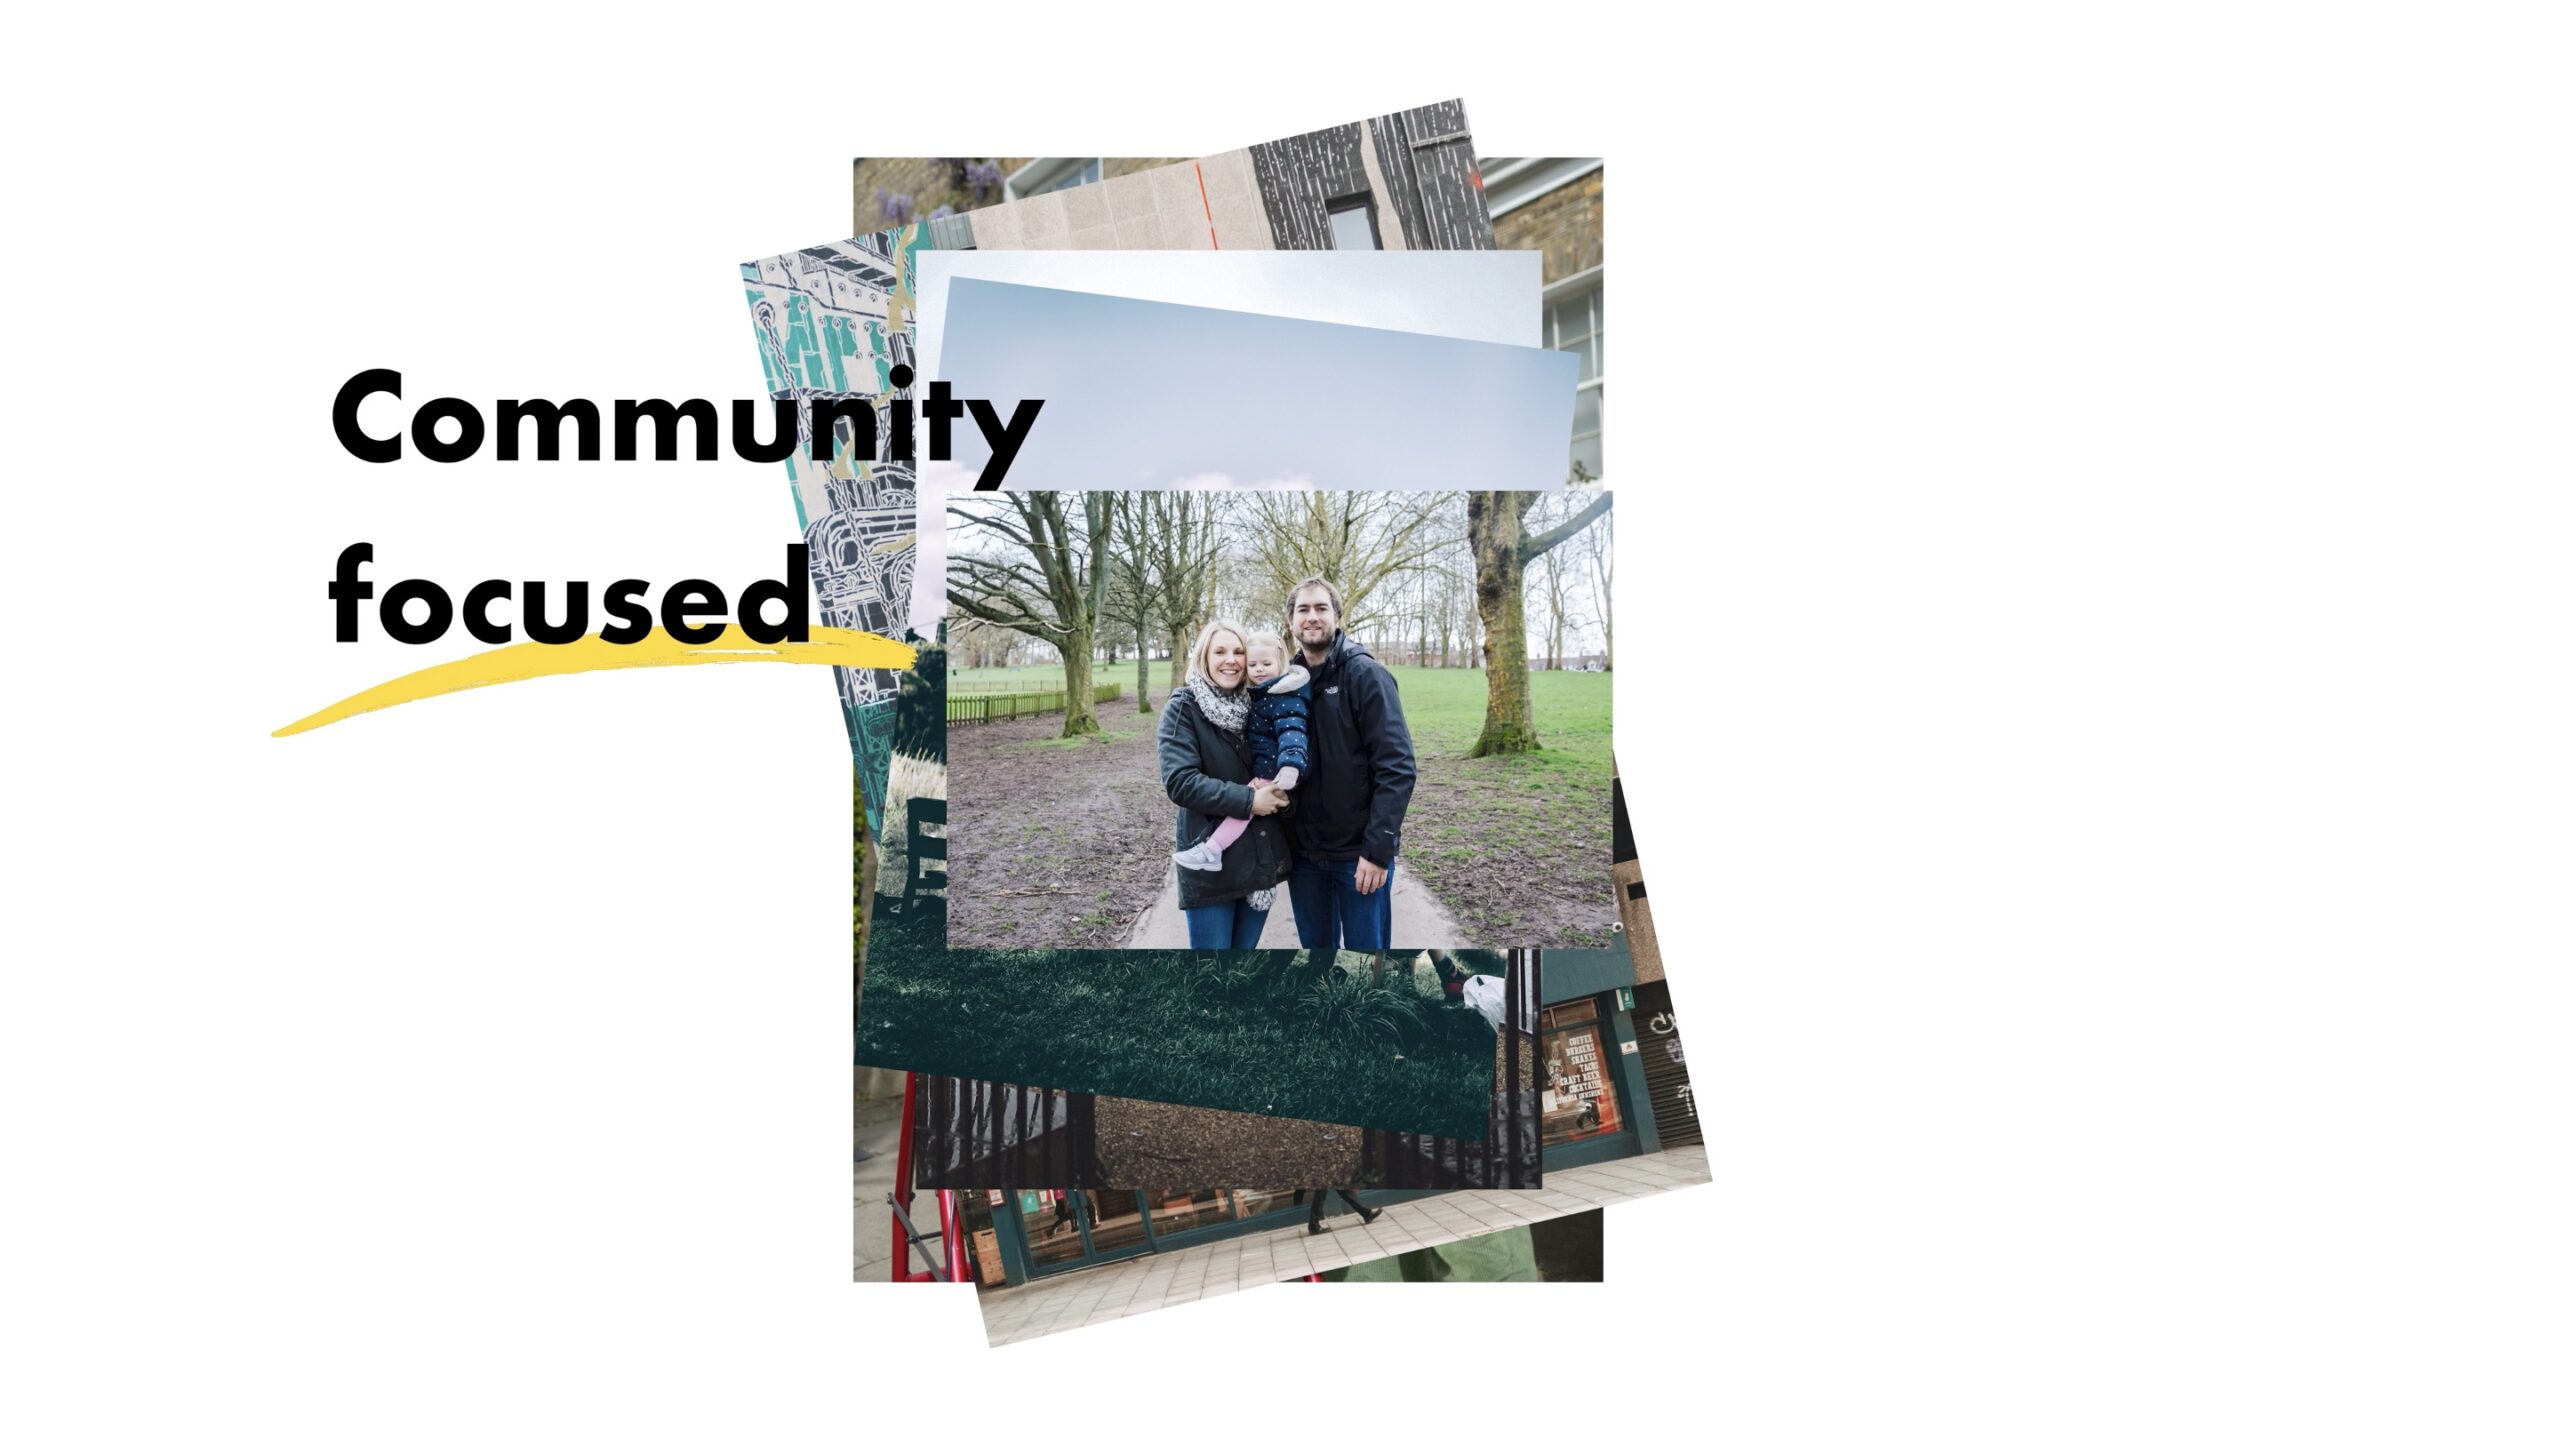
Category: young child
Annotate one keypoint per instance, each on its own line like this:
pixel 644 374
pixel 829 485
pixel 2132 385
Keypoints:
pixel 1277 732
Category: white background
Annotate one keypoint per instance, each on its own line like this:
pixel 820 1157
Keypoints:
pixel 2089 712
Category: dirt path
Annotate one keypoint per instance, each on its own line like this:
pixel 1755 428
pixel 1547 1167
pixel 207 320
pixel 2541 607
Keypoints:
pixel 1031 812
pixel 1420 921
pixel 1035 819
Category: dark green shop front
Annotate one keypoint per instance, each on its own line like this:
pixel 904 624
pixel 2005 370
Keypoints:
pixel 1595 1105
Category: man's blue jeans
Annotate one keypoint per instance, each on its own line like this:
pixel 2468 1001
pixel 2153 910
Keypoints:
pixel 1333 913
pixel 1235 924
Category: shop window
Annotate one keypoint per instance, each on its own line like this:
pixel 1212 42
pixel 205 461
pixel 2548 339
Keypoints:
pixel 1182 1210
pixel 1255 1202
pixel 1049 1226
pixel 1578 1102
pixel 1118 1218
pixel 977 1223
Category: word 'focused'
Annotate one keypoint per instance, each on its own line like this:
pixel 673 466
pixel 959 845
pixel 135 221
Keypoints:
pixel 420 611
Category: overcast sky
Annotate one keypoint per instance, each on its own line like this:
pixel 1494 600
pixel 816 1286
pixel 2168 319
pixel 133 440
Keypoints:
pixel 1142 394
pixel 1487 295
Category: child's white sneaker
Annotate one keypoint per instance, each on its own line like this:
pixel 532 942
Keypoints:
pixel 1202 856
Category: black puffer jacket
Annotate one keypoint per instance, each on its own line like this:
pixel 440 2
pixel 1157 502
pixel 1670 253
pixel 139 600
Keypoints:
pixel 1354 807
pixel 1208 777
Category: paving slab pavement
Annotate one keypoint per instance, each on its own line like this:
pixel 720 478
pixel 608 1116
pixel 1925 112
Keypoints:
pixel 1418 921
pixel 1154 1281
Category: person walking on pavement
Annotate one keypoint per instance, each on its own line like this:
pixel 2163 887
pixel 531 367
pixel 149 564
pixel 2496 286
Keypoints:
pixel 1315 1210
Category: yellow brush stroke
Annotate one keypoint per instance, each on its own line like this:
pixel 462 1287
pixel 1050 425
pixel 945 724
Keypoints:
pixel 849 648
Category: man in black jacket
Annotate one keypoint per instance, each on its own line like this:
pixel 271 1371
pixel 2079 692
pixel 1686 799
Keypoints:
pixel 1348 818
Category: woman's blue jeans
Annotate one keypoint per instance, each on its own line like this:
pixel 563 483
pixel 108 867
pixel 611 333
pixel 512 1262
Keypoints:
pixel 1236 924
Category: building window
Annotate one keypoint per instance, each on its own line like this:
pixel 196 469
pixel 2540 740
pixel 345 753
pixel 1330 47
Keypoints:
pixel 1173 1211
pixel 1355 222
pixel 1573 325
pixel 1255 1202
pixel 978 1223
pixel 1043 176
pixel 1578 1102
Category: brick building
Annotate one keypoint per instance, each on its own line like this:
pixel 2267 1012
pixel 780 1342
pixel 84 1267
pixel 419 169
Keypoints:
pixel 1553 207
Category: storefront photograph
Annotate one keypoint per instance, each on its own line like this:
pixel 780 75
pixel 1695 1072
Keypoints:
pixel 1617 1119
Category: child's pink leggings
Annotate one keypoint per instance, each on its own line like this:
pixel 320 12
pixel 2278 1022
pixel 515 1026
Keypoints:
pixel 1230 830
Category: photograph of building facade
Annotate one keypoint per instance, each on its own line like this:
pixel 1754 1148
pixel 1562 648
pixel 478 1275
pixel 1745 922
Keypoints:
pixel 1554 207
pixel 1405 181
pixel 1595 1100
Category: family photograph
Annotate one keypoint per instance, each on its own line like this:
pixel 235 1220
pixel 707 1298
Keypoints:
pixel 1289 719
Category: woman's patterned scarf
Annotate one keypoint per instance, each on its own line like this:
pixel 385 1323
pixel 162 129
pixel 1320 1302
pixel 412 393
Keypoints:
pixel 1225 710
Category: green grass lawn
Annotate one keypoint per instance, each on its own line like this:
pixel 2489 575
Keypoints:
pixel 1445 710
pixel 1517 845
pixel 1443 707
pixel 1179 1028
pixel 1161 677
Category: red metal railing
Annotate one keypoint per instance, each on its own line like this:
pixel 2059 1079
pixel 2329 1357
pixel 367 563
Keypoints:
pixel 902 1226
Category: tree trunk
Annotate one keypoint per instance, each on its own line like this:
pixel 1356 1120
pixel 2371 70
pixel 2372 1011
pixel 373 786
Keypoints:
pixel 1077 651
pixel 1143 706
pixel 1493 533
pixel 1502 554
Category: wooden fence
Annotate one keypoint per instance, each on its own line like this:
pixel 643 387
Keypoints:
pixel 1008 686
pixel 989 708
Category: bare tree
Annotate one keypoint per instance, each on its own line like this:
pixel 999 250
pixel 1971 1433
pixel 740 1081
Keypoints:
pixel 1359 539
pixel 1165 552
pixel 1556 573
pixel 1137 601
pixel 983 645
pixel 1600 554
pixel 1448 591
pixel 1503 548
pixel 1039 562
pixel 1170 536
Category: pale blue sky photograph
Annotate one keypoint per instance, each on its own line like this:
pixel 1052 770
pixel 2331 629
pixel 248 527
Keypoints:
pixel 1139 394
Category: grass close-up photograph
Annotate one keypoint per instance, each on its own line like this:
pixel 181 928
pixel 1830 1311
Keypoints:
pixel 1367 720
pixel 1403 1041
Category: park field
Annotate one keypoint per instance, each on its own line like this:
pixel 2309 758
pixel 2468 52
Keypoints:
pixel 1444 707
pixel 1050 676
pixel 1517 846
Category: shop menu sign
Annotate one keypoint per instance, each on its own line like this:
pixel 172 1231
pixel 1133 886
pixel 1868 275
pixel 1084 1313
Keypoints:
pixel 1578 1101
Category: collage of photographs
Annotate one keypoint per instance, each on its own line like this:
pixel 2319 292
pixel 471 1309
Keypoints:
pixel 1249 894
pixel 1139 754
